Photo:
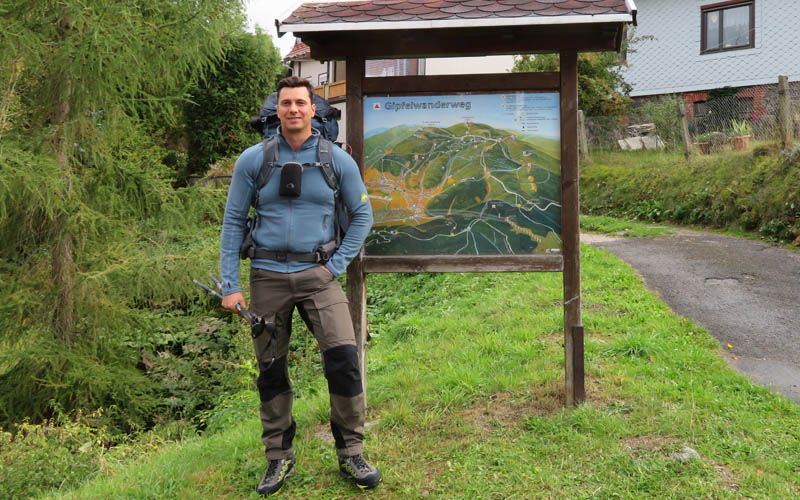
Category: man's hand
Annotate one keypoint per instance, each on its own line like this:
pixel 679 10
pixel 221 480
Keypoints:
pixel 230 302
pixel 329 271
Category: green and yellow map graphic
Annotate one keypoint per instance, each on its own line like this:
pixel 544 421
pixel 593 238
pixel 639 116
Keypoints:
pixel 463 174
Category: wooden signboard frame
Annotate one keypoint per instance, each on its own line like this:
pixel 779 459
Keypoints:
pixel 565 83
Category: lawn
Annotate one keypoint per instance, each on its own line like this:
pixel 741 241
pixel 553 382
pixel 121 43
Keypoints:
pixel 466 400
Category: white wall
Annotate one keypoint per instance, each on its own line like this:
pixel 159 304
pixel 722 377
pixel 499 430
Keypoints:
pixel 468 65
pixel 673 63
pixel 342 106
pixel 312 69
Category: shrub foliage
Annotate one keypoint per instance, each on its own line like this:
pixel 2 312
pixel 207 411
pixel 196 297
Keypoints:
pixel 754 191
pixel 217 117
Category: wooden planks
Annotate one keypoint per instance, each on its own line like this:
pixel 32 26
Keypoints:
pixel 356 279
pixel 785 113
pixel 570 227
pixel 462 263
pixel 460 42
pixel 687 139
pixel 401 85
pixel 566 83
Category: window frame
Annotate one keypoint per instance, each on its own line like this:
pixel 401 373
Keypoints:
pixel 721 7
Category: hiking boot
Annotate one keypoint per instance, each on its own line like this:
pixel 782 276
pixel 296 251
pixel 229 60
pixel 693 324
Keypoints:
pixel 277 472
pixel 357 469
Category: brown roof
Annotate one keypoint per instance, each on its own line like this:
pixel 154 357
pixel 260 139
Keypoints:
pixel 299 51
pixel 444 10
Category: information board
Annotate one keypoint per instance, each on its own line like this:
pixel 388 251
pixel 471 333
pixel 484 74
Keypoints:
pixel 463 174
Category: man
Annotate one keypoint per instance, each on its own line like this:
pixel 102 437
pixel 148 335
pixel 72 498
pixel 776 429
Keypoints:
pixel 291 226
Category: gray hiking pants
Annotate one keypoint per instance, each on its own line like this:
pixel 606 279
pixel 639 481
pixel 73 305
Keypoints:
pixel 320 298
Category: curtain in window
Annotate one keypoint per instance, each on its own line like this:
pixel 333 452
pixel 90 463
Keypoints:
pixel 712 30
pixel 736 27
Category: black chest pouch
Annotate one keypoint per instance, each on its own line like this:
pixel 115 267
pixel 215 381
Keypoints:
pixel 291 177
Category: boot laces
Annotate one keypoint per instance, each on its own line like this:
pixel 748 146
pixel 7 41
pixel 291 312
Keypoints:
pixel 272 469
pixel 361 464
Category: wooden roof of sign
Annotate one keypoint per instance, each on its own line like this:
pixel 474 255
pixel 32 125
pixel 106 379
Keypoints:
pixel 427 28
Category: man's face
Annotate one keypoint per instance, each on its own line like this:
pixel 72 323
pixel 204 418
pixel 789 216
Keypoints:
pixel 295 109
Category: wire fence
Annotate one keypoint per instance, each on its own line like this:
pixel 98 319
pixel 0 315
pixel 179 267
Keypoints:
pixel 713 118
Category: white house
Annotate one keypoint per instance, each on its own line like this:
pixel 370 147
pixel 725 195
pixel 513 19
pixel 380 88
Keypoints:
pixel 700 45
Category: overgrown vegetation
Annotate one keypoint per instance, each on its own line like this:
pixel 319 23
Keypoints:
pixel 97 249
pixel 144 346
pixel 755 191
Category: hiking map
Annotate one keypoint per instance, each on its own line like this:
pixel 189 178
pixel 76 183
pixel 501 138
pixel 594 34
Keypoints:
pixel 466 174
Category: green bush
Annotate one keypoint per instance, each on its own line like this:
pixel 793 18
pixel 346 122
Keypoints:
pixel 42 375
pixel 58 453
pixel 217 118
pixel 737 190
pixel 144 344
pixel 602 90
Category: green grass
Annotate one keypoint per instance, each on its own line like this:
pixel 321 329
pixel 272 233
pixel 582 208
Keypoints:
pixel 619 227
pixel 465 392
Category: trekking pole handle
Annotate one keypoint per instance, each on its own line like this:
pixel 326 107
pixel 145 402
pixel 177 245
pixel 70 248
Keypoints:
pixel 244 313
pixel 247 315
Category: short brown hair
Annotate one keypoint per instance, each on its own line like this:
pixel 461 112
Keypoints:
pixel 295 82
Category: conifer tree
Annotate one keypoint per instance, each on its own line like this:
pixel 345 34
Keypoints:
pixel 90 66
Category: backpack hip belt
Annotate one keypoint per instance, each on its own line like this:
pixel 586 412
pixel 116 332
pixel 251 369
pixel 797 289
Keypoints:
pixel 320 255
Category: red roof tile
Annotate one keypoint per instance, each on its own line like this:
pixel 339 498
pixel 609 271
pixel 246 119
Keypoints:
pixel 299 51
pixel 514 12
pixel 495 7
pixel 400 16
pixel 421 10
pixel 513 2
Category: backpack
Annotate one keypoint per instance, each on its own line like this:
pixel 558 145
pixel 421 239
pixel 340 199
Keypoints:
pixel 325 119
pixel 270 162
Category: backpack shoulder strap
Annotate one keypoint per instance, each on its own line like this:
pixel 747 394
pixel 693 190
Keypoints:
pixel 268 164
pixel 325 158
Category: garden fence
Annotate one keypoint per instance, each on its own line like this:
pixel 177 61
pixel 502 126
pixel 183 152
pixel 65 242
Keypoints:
pixel 715 117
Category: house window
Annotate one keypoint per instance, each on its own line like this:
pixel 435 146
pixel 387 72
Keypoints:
pixel 700 108
pixel 728 26
pixel 391 67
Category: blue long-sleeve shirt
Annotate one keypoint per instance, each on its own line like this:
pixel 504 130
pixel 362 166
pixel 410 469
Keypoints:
pixel 297 225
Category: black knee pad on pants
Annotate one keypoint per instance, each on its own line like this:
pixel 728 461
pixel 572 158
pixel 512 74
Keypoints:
pixel 341 370
pixel 273 380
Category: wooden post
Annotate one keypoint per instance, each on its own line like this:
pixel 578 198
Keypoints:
pixel 785 113
pixel 356 279
pixel 584 140
pixel 687 140
pixel 570 230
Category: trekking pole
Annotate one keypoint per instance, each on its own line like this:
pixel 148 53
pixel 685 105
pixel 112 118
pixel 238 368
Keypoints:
pixel 258 325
